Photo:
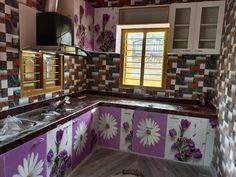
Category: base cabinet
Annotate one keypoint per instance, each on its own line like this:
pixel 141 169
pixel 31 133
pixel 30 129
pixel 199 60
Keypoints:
pixel 199 132
pixel 2 166
pixel 59 150
pixel 109 127
pixel 62 149
pixel 149 131
pixel 81 138
pixel 28 159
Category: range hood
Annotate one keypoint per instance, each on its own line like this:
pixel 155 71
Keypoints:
pixel 54 32
pixel 65 50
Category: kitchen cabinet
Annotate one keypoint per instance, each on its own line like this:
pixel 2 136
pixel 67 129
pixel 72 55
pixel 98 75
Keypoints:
pixel 197 131
pixel 209 147
pixel 196 28
pixel 182 20
pixel 59 144
pixel 126 129
pixel 149 133
pixel 109 127
pixel 28 159
pixel 2 166
pixel 81 138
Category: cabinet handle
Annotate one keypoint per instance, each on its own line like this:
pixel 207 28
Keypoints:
pixel 186 50
pixel 38 141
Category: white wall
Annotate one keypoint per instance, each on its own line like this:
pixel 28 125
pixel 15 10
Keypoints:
pixel 66 7
pixel 27 18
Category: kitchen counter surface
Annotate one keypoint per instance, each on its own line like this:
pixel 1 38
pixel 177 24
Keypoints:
pixel 83 103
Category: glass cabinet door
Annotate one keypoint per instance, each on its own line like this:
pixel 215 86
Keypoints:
pixel 182 27
pixel 209 22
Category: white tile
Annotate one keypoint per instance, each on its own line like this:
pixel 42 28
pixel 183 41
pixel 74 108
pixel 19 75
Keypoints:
pixel 24 100
pixel 174 65
pixel 200 84
pixel 202 66
pixel 4 83
pixel 2 27
pixel 9 65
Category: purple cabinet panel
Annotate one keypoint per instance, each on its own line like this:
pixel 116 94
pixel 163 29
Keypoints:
pixel 81 138
pixel 27 159
pixel 149 132
pixel 2 166
pixel 109 126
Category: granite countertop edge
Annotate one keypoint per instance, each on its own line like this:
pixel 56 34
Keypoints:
pixel 110 101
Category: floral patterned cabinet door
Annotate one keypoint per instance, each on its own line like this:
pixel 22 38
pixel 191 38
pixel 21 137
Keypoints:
pixel 2 166
pixel 126 129
pixel 210 137
pixel 149 132
pixel 27 159
pixel 81 138
pixel 59 150
pixel 109 127
pixel 194 138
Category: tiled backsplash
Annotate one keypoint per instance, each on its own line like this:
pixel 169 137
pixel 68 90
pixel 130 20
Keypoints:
pixel 10 94
pixel 187 75
pixel 74 81
pixel 225 142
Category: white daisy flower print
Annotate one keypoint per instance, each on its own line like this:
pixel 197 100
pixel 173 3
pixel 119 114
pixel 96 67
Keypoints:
pixel 80 137
pixel 107 126
pixel 148 132
pixel 31 167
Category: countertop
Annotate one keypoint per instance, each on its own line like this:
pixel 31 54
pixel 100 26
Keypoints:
pixel 83 103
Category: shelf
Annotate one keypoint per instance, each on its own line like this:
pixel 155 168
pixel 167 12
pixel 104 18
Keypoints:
pixel 181 25
pixel 207 40
pixel 31 73
pixel 31 65
pixel 180 40
pixel 48 80
pixel 33 81
pixel 209 24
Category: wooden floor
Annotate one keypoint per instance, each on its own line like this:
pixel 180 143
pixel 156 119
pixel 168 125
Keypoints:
pixel 106 163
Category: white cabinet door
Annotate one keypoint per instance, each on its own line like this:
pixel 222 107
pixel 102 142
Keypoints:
pixel 197 131
pixel 182 22
pixel 59 150
pixel 126 129
pixel 208 29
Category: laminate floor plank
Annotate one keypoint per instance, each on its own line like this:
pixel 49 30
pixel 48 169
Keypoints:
pixel 106 163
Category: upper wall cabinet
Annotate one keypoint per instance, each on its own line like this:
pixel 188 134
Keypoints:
pixel 196 27
pixel 182 18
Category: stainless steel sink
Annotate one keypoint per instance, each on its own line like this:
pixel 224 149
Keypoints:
pixel 10 130
pixel 25 124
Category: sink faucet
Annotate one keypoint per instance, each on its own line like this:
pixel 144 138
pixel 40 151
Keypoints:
pixel 59 105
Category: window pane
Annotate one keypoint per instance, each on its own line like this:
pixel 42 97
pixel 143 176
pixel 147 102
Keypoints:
pixel 154 56
pixel 132 58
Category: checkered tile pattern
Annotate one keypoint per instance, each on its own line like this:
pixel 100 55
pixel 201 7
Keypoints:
pixel 225 142
pixel 187 75
pixel 9 60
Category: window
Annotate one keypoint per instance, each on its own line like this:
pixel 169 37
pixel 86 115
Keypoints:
pixel 144 53
pixel 40 73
